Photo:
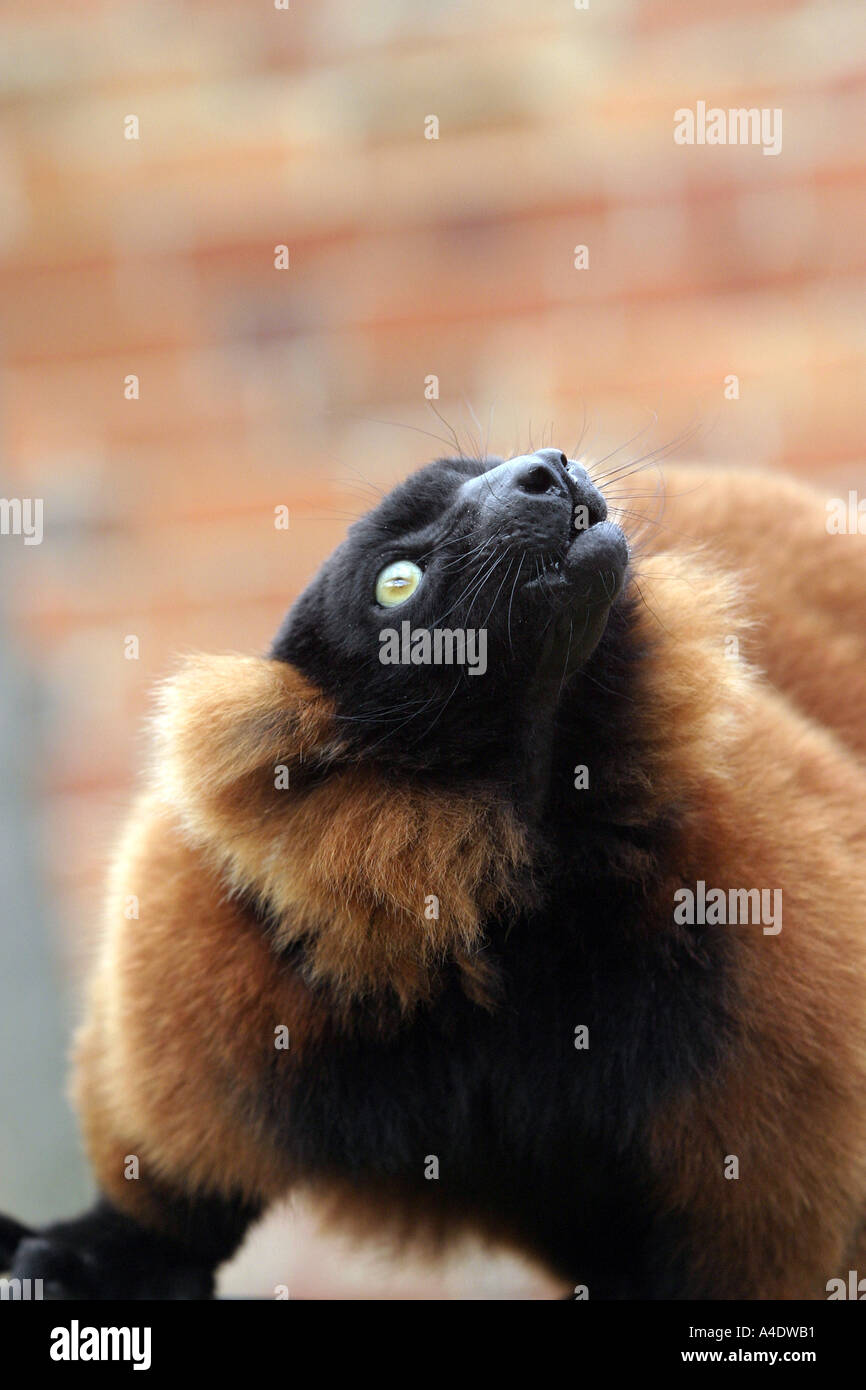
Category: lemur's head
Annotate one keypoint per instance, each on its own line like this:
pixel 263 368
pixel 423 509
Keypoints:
pixel 455 612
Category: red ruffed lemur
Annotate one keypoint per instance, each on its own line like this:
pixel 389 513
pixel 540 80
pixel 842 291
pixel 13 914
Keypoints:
pixel 583 920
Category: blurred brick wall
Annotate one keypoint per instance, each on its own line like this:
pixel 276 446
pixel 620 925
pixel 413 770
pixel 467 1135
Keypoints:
pixel 409 257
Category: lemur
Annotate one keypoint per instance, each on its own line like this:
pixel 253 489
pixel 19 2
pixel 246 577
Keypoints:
pixel 411 933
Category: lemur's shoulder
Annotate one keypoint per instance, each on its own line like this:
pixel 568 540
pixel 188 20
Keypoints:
pixel 179 1026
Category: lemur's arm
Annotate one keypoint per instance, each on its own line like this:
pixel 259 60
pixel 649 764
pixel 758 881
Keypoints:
pixel 106 1254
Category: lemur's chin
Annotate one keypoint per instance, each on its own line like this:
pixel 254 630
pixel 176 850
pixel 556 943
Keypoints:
pixel 578 592
pixel 591 572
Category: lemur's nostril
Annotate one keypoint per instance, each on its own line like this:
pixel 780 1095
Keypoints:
pixel 538 479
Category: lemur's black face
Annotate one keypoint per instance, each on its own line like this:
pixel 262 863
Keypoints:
pixel 457 610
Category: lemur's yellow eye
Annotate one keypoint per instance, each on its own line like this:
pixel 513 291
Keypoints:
pixel 397 582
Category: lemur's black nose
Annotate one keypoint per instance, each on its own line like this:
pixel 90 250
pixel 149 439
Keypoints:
pixel 546 473
pixel 537 477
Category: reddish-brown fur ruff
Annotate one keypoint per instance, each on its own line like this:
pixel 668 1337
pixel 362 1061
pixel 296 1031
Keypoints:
pixel 349 863
pixel 803 589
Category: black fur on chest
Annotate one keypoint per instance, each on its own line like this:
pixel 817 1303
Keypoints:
pixel 533 1136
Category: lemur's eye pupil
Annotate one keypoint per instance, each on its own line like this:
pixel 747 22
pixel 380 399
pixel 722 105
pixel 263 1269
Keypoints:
pixel 397 582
